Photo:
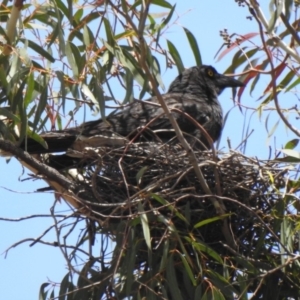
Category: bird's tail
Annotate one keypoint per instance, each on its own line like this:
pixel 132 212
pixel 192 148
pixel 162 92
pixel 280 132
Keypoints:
pixel 51 142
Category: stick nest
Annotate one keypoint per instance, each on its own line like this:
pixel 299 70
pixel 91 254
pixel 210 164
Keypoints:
pixel 158 180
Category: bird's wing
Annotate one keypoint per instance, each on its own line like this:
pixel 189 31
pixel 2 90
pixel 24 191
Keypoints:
pixel 141 113
pixel 125 123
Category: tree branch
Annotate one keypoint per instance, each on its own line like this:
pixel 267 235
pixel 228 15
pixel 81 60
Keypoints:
pixel 57 181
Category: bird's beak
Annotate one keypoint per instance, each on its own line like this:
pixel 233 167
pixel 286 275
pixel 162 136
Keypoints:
pixel 226 81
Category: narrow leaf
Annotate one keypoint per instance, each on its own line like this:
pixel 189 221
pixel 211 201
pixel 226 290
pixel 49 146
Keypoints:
pixel 98 93
pixel 242 38
pixel 161 3
pixel 128 80
pixel 188 270
pixel 71 59
pixel 43 293
pixel 145 225
pixel 172 280
pixel 40 108
pixel 194 46
pixel 291 153
pixel 86 36
pixel 40 50
pixel 291 144
pixel 208 221
pixel 140 174
pixel 88 93
pixel 64 286
pixel 29 89
pixel 176 56
pixel 6 113
pixel 295 83
pixel 288 8
pixel 168 18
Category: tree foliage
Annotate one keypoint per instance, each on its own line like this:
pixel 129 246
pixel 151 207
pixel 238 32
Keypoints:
pixel 227 226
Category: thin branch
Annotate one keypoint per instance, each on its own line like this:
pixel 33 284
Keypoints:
pixel 63 186
pixel 41 168
pixel 290 28
pixel 274 88
pixel 256 11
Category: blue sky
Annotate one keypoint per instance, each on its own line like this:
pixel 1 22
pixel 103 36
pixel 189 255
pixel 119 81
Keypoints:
pixel 26 268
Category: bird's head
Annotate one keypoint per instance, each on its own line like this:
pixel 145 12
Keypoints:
pixel 202 79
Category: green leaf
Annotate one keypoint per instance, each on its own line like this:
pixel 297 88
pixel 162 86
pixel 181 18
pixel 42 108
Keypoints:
pixel 64 287
pixel 288 159
pixel 291 144
pixel 288 8
pixel 124 34
pixel 84 21
pixel 54 35
pixel 88 93
pixel 201 247
pixel 145 225
pixel 194 46
pixel 222 285
pixel 109 33
pixel 86 36
pixel 43 293
pixel 70 9
pixel 71 59
pixel 40 50
pixel 242 280
pixel 198 292
pixel 155 68
pixel 128 80
pixel 140 174
pixel 162 3
pixel 78 15
pixel 286 80
pixel 98 92
pixel 14 74
pixel 41 107
pixel 217 295
pixel 286 238
pixel 275 8
pixel 52 295
pixel 165 252
pixel 22 110
pixel 168 18
pixel 273 129
pixel 124 6
pixel 58 30
pixel 172 280
pixel 83 293
pixel 214 219
pixel 130 62
pixel 291 153
pixel 129 259
pixel 7 113
pixel 188 269
pixel 176 56
pixel 171 207
pixel 23 52
pixel 29 90
pixel 61 5
pixel 3 79
pixel 239 58
pixel 63 92
pixel 295 83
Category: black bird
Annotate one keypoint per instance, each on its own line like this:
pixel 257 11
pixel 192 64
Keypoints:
pixel 194 92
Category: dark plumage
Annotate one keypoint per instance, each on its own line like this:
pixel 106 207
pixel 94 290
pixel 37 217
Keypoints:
pixel 194 92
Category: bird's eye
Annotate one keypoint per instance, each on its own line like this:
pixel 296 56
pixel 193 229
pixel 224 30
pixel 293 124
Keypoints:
pixel 210 73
